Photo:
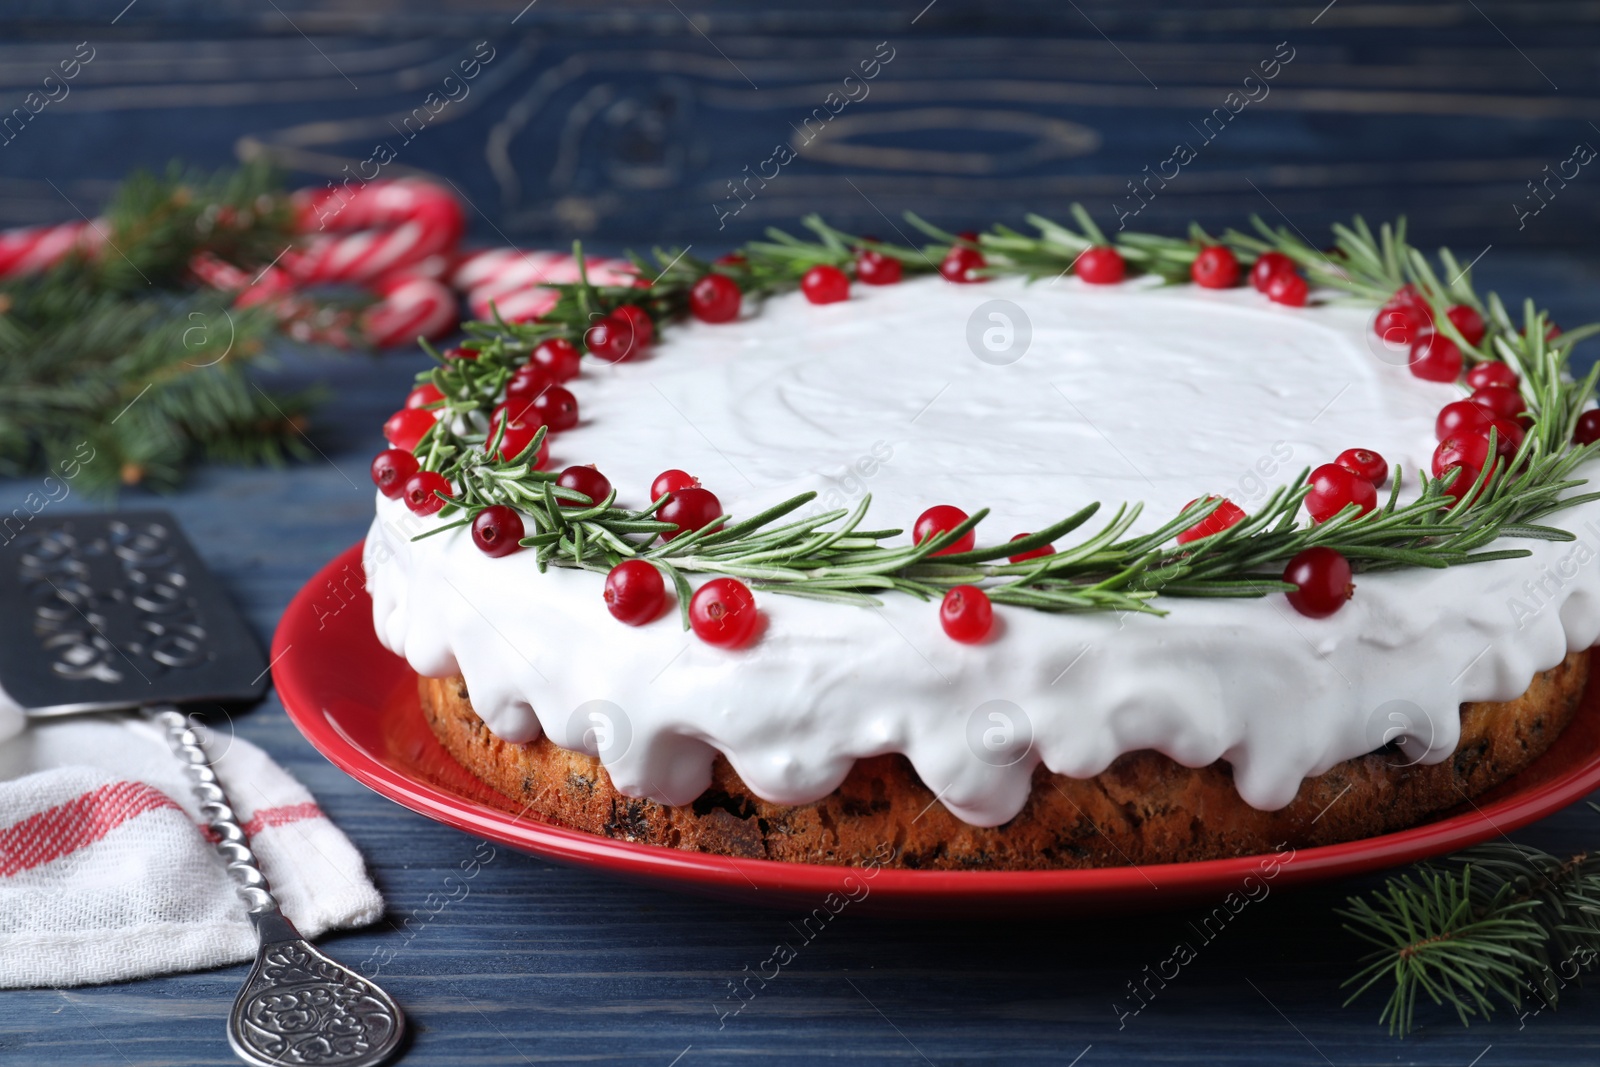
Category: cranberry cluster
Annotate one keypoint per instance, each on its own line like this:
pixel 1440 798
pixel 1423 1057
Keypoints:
pixel 965 614
pixel 716 297
pixel 1486 429
pixel 1214 267
pixel 722 611
pixel 1321 576
pixel 535 397
pixel 1406 321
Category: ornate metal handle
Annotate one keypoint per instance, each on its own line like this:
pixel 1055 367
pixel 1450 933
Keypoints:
pixel 297 1006
pixel 234 844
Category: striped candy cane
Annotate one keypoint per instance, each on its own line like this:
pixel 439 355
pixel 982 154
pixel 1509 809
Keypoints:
pixel 515 283
pixel 38 248
pixel 359 236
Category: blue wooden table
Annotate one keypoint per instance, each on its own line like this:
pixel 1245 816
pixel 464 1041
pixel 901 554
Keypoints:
pixel 628 122
pixel 544 964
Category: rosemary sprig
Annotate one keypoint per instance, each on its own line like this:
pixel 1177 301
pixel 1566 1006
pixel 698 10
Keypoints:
pixel 830 556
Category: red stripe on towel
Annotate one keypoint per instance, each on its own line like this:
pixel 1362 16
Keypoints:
pixel 289 813
pixel 65 828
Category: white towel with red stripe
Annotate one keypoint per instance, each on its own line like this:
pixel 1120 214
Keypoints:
pixel 107 871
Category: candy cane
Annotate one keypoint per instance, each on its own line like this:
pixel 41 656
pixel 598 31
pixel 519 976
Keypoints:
pixel 398 224
pixel 403 263
pixel 417 307
pixel 38 248
pixel 397 238
pixel 298 315
pixel 515 283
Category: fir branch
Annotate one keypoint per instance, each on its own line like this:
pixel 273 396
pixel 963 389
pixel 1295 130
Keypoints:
pixel 159 224
pixel 1483 930
pixel 114 356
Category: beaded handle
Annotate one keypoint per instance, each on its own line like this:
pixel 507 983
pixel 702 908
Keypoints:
pixel 233 843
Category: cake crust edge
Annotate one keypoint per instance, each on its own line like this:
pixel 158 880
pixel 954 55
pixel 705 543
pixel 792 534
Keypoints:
pixel 1143 809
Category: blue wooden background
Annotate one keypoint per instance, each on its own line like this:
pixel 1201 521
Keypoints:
pixel 630 122
pixel 622 124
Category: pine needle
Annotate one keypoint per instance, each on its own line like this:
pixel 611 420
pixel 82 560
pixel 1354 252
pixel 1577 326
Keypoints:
pixel 1481 931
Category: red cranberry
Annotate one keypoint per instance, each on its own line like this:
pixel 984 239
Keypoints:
pixel 520 431
pixel 612 340
pixel 1333 489
pixel 644 328
pixel 1467 449
pixel 939 519
pixel 1216 267
pixel 1227 514
pixel 723 612
pixel 635 592
pixel 875 268
pixel 1322 581
pixel 1289 289
pixel 962 264
pixel 586 480
pixel 1468 322
pixel 520 397
pixel 690 509
pixel 1459 416
pixel 732 259
pixel 1101 265
pixel 390 469
pixel 406 427
pixel 557 407
pixel 1402 325
pixel 1364 463
pixel 420 489
pixel 1408 296
pixel 497 530
pixel 1038 553
pixel 530 379
pixel 1435 358
pixel 966 614
pixel 1508 434
pixel 672 481
pixel 1500 401
pixel 558 358
pixel 715 298
pixel 823 284
pixel 1268 266
pixel 1588 431
pixel 1494 372
pixel 462 352
pixel 1465 479
pixel 423 395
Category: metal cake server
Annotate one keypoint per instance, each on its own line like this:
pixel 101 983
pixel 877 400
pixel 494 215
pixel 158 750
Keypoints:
pixel 117 612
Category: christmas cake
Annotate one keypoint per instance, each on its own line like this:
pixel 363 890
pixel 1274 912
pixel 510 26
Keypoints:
pixel 1006 552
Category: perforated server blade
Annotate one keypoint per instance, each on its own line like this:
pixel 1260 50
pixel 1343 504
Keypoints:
pixel 109 611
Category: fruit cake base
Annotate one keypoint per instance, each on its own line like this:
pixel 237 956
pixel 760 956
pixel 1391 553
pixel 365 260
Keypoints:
pixel 1143 809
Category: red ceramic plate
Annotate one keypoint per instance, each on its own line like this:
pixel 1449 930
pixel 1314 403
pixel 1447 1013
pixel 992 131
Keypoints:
pixel 357 703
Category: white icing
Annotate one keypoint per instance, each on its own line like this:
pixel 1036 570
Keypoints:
pixel 1126 394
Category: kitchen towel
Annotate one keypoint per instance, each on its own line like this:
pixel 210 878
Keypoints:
pixel 107 869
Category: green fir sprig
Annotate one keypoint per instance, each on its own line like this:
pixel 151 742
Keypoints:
pixel 115 368
pixel 832 555
pixel 1498 926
